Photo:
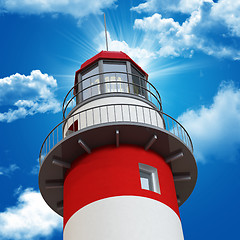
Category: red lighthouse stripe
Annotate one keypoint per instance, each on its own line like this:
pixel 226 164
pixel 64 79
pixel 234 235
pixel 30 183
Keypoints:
pixel 111 171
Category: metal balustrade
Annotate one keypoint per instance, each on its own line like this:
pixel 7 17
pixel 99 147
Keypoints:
pixel 113 113
pixel 110 82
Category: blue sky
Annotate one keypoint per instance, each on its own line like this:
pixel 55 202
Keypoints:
pixel 191 51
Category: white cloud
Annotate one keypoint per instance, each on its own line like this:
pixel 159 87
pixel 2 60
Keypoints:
pixel 76 8
pixel 184 6
pixel 215 130
pixel 7 171
pixel 30 218
pixel 206 30
pixel 228 11
pixel 142 56
pixel 27 95
pixel 157 23
pixel 148 6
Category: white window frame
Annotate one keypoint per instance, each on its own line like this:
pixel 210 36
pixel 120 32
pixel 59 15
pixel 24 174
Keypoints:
pixel 145 169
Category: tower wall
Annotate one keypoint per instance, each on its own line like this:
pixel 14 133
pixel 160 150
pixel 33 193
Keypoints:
pixel 103 197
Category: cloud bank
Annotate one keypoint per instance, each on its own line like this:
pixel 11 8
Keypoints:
pixel 75 8
pixel 141 55
pixel 215 130
pixel 183 6
pixel 30 218
pixel 27 95
pixel 210 27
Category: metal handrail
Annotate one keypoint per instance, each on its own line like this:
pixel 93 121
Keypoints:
pixel 175 128
pixel 128 83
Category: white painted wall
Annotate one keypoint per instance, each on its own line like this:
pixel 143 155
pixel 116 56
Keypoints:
pixel 124 218
pixel 115 113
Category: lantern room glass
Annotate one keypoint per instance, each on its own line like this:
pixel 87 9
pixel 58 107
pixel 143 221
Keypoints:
pixel 91 83
pixel 115 76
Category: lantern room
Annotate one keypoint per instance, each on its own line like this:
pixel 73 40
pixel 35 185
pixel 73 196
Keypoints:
pixel 110 86
pixel 110 72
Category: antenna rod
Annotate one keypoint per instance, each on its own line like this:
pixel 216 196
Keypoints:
pixel 106 31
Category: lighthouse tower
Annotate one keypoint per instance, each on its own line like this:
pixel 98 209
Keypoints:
pixel 117 167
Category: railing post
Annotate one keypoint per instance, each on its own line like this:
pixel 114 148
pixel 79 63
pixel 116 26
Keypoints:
pixel 107 113
pixel 178 130
pixel 100 114
pixel 150 116
pixel 114 109
pixel 184 137
pixel 136 113
pixel 122 113
pixel 167 123
pixel 93 116
pixel 182 134
pixel 173 127
pixel 129 112
pixel 143 115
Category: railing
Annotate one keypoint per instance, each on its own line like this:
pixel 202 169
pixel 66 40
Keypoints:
pixel 110 114
pixel 110 82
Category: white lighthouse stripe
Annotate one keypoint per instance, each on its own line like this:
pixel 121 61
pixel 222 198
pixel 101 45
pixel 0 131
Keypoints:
pixel 124 217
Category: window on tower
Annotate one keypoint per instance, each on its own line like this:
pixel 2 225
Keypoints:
pixel 149 178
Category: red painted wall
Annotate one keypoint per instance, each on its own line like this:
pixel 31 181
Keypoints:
pixel 111 171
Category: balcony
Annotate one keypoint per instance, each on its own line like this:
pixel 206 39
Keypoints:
pixel 114 114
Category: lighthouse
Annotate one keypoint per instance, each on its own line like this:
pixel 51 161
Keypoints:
pixel 117 167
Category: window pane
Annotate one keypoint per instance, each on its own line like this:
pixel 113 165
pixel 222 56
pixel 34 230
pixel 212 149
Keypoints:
pixel 145 183
pixel 88 82
pixel 140 85
pixel 146 180
pixel 115 81
pixel 114 67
